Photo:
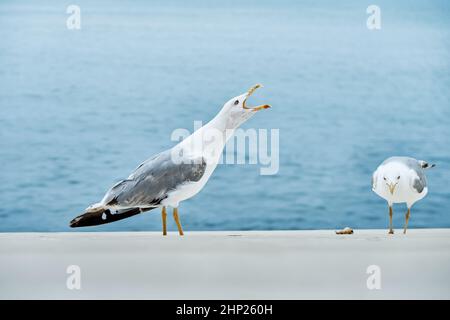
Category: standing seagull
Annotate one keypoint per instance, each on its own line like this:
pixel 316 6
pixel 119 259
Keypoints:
pixel 173 175
pixel 401 180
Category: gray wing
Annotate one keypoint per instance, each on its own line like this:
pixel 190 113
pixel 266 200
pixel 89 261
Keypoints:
pixel 420 182
pixel 150 183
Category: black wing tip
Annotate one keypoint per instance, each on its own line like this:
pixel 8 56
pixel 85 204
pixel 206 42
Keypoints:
pixel 426 165
pixel 103 216
pixel 77 222
pixel 89 219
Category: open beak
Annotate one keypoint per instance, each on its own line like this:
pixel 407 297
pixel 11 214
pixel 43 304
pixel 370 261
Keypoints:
pixel 249 93
pixel 391 187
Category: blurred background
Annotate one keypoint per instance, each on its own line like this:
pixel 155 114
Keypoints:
pixel 80 109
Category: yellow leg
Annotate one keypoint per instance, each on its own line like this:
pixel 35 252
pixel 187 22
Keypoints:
pixel 408 213
pixel 177 220
pixel 391 231
pixel 164 219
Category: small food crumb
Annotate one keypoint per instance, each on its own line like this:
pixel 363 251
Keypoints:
pixel 346 230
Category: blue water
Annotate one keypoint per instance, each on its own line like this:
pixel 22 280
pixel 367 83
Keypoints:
pixel 80 109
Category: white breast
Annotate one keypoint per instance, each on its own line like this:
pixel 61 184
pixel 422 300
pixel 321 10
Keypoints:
pixel 199 145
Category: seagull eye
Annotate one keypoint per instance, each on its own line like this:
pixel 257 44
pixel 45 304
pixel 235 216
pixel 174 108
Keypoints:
pixel 398 178
pixel 236 102
pixel 384 178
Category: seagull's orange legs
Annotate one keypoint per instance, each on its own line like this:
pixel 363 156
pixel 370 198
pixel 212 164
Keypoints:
pixel 164 219
pixel 391 231
pixel 177 220
pixel 408 213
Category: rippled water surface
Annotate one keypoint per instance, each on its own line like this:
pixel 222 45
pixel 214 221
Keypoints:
pixel 79 110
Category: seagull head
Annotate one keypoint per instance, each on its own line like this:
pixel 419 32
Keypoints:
pixel 392 183
pixel 391 177
pixel 237 111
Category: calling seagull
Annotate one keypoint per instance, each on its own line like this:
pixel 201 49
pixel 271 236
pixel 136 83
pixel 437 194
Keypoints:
pixel 174 175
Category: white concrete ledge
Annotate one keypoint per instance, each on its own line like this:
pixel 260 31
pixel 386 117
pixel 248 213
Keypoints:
pixel 226 265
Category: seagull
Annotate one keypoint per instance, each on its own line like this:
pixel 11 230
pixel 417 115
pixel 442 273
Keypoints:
pixel 401 180
pixel 174 175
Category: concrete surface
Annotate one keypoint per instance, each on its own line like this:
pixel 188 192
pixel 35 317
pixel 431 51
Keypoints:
pixel 226 265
